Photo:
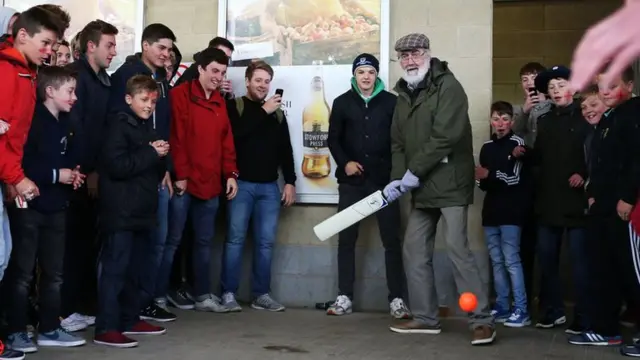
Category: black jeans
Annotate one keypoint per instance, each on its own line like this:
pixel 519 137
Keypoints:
pixel 548 250
pixel 615 272
pixel 79 290
pixel 42 238
pixel 389 227
pixel 122 269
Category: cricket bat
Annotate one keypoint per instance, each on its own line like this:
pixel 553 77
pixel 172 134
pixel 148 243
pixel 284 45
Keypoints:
pixel 351 215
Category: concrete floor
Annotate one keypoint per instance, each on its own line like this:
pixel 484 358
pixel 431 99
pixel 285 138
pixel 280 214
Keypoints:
pixel 310 335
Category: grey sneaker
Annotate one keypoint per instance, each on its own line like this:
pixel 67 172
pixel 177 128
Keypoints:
pixel 60 338
pixel 266 302
pixel 21 342
pixel 210 303
pixel 229 301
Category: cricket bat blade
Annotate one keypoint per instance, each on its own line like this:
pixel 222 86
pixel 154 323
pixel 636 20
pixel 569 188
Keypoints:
pixel 351 215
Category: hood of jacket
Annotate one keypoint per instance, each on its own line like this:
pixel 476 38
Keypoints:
pixel 16 58
pixel 137 65
pixel 378 87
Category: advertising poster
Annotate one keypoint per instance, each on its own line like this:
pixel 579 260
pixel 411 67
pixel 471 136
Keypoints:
pixel 311 45
pixel 126 15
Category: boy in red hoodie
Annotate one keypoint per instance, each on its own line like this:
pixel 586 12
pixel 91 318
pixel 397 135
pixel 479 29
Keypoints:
pixel 34 32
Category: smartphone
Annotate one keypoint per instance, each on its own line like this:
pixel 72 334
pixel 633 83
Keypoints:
pixel 532 91
pixel 279 92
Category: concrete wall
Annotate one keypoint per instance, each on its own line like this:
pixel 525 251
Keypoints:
pixel 545 31
pixel 304 270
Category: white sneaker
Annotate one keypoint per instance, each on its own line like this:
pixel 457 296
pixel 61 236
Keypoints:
pixel 73 323
pixel 90 320
pixel 211 304
pixel 341 306
pixel 398 309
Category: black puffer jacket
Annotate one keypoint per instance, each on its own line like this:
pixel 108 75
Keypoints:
pixel 558 154
pixel 132 170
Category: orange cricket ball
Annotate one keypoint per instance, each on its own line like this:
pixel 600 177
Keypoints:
pixel 468 302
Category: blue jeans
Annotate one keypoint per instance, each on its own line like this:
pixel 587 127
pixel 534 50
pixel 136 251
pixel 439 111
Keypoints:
pixel 122 262
pixel 259 202
pixel 203 216
pixel 159 240
pixel 548 249
pixel 504 249
pixel 5 236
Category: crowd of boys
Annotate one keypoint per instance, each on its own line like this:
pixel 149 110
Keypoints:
pixel 102 172
pixel 571 165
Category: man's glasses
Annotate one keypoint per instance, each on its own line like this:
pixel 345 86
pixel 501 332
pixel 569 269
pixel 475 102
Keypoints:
pixel 415 55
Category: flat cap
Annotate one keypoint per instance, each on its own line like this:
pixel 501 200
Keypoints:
pixel 412 41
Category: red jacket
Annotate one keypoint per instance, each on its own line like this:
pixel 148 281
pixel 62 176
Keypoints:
pixel 634 217
pixel 201 140
pixel 17 104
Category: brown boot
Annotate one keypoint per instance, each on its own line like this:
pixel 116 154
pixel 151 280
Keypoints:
pixel 483 335
pixel 415 327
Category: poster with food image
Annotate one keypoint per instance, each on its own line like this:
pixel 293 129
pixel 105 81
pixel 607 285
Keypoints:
pixel 126 15
pixel 296 32
pixel 311 46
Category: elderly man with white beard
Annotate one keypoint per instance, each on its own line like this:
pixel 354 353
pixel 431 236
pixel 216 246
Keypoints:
pixel 432 158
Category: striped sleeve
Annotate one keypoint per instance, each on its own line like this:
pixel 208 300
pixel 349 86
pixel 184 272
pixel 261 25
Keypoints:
pixel 511 176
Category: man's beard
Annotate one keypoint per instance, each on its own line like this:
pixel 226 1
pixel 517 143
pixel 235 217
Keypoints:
pixel 416 77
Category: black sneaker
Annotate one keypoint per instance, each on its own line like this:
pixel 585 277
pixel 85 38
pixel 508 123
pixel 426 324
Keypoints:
pixel 8 354
pixel 551 320
pixel 181 299
pixel 154 312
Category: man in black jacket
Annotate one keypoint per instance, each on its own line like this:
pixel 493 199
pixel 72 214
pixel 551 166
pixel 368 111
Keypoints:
pixel 132 166
pixel 98 48
pixel 259 127
pixel 560 202
pixel 360 143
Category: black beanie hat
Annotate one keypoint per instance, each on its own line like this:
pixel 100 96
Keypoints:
pixel 365 60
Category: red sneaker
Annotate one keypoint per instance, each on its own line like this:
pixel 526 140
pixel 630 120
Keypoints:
pixel 144 328
pixel 115 339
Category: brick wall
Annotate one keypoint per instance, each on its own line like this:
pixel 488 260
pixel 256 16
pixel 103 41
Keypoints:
pixel 545 31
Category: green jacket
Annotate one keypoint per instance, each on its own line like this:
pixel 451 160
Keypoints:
pixel 431 136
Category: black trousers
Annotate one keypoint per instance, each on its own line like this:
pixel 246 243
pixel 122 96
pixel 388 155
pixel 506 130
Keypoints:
pixel 122 260
pixel 42 238
pixel 79 291
pixel 615 257
pixel 389 227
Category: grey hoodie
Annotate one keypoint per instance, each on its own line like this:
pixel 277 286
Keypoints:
pixel 5 15
pixel 526 125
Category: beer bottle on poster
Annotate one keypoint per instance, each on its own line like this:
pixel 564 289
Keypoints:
pixel 316 161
